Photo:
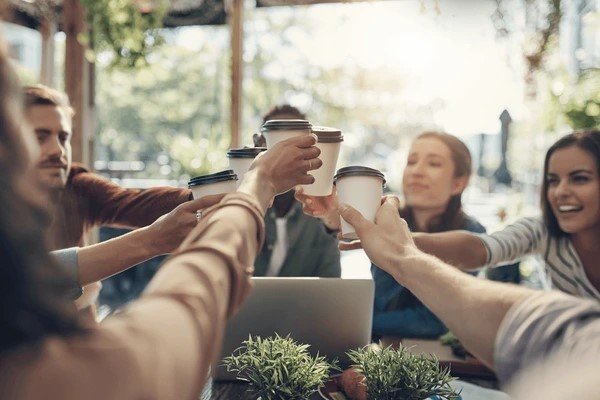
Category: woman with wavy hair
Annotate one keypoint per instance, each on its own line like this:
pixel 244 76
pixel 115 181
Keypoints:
pixel 163 344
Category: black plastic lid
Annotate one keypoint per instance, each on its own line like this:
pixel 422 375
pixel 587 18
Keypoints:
pixel 358 171
pixel 246 152
pixel 285 124
pixel 222 176
pixel 326 134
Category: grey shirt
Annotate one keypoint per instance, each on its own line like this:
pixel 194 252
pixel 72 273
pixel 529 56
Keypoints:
pixel 311 251
pixel 550 343
pixel 68 259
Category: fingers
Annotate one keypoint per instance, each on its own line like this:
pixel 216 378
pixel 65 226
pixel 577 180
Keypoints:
pixel 313 164
pixel 303 141
pixel 306 179
pixel 203 202
pixel 389 210
pixel 354 218
pixel 310 153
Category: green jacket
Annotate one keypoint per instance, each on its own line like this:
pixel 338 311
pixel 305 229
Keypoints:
pixel 311 252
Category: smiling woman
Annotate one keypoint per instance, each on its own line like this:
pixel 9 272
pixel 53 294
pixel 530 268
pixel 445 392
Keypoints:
pixel 568 234
pixel 437 172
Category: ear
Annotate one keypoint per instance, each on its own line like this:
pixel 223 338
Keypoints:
pixel 459 184
pixel 259 140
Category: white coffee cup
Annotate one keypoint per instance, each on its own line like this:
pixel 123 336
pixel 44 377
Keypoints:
pixel 241 159
pixel 218 183
pixel 329 141
pixel 276 130
pixel 361 188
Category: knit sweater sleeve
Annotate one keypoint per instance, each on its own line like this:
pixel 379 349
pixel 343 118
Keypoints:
pixel 106 203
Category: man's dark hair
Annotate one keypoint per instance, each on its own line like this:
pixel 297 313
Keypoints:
pixel 289 111
pixel 40 95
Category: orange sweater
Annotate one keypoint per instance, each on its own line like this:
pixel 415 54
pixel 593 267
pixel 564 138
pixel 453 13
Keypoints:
pixel 90 200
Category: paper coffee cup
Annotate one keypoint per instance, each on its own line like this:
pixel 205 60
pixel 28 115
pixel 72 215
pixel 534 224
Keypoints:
pixel 362 188
pixel 218 183
pixel 241 159
pixel 276 130
pixel 329 141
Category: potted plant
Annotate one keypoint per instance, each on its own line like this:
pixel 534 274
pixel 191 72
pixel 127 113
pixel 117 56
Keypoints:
pixel 397 374
pixel 278 368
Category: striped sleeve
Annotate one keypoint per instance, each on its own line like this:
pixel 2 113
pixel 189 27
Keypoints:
pixel 525 236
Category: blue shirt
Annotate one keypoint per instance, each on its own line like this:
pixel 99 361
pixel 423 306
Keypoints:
pixel 397 312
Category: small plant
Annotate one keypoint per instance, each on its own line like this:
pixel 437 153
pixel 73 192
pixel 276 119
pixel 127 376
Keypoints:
pixel 279 368
pixel 400 375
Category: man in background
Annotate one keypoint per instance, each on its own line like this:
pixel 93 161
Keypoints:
pixel 295 244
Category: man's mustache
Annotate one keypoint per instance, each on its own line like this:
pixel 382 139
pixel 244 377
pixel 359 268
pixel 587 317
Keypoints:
pixel 53 163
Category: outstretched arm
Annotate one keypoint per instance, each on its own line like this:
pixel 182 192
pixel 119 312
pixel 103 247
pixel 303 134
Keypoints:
pixel 462 249
pixel 458 299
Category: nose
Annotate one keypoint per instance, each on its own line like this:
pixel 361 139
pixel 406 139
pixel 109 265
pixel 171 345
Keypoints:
pixel 563 189
pixel 416 169
pixel 56 148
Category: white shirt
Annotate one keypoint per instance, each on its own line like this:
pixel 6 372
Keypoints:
pixel 280 247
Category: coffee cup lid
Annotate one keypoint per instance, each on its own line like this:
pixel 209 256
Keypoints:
pixel 358 171
pixel 222 176
pixel 246 152
pixel 326 134
pixel 285 124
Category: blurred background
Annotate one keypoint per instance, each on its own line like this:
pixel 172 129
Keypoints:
pixel 171 85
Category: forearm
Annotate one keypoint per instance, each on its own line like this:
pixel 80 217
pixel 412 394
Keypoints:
pixel 461 249
pixel 163 344
pixel 108 258
pixel 471 308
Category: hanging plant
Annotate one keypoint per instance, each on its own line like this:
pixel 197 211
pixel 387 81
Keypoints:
pixel 543 22
pixel 129 29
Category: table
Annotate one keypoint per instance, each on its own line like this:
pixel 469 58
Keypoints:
pixel 232 391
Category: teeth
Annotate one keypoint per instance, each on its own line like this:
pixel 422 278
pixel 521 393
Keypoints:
pixel 567 208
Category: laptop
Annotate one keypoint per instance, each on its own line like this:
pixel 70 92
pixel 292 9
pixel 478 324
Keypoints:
pixel 332 315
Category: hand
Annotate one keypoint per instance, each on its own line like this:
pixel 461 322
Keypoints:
pixel 323 207
pixel 281 168
pixel 388 240
pixel 89 296
pixel 168 231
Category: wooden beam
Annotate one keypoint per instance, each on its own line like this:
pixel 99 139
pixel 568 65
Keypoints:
pixel 236 16
pixel 47 29
pixel 78 75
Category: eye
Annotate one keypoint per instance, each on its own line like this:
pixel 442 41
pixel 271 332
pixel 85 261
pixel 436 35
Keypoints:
pixel 63 137
pixel 580 179
pixel 435 164
pixel 411 162
pixel 41 136
pixel 552 180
